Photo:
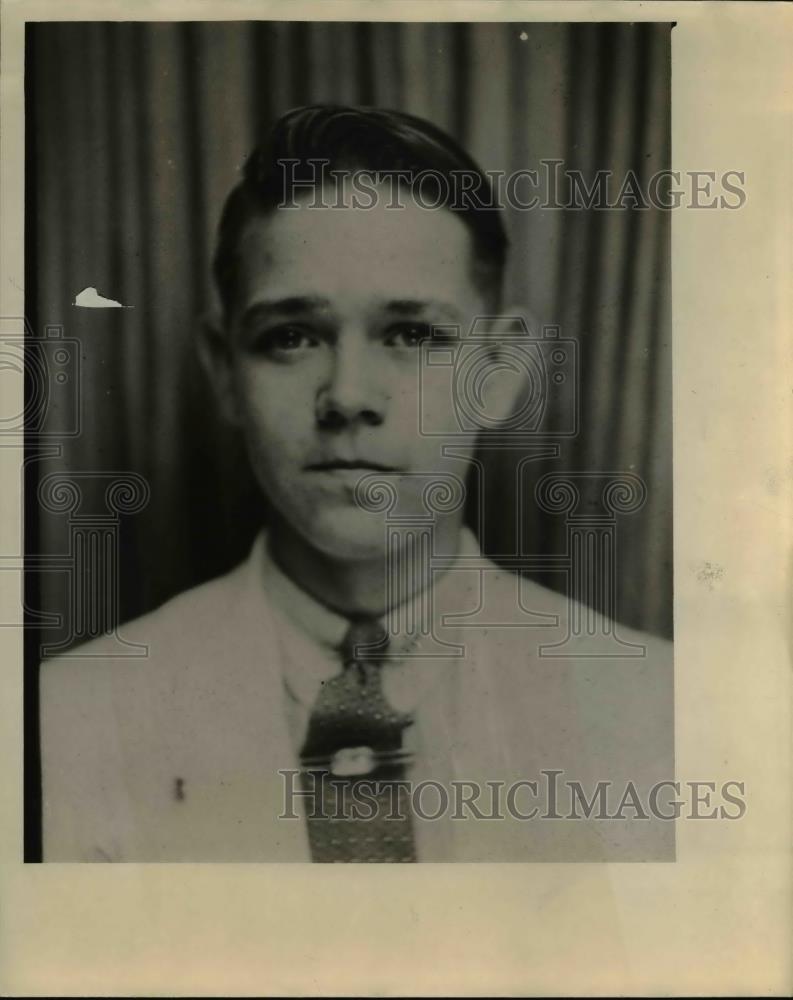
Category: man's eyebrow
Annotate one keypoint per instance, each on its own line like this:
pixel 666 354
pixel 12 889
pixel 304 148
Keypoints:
pixel 292 305
pixel 409 307
pixel 300 305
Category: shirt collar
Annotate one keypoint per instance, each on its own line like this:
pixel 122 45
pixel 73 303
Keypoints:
pixel 327 628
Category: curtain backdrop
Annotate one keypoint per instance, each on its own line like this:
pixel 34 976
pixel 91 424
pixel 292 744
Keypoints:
pixel 137 132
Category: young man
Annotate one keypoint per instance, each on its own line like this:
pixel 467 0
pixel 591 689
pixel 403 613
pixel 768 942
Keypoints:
pixel 366 686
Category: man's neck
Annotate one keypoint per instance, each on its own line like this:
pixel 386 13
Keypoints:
pixel 362 588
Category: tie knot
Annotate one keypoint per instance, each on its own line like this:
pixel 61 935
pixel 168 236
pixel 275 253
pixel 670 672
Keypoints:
pixel 365 639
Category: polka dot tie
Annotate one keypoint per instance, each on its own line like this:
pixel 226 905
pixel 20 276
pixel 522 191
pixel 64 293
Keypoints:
pixel 353 760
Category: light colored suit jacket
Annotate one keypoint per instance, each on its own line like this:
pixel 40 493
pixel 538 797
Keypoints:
pixel 175 756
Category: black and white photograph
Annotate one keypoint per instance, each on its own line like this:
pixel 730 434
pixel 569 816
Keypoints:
pixel 348 452
pixel 395 450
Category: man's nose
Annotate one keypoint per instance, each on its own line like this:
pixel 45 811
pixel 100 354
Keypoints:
pixel 353 392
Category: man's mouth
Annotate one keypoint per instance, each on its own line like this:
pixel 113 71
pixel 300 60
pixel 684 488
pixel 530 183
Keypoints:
pixel 347 474
pixel 359 465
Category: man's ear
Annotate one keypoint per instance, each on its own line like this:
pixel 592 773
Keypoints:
pixel 214 352
pixel 508 380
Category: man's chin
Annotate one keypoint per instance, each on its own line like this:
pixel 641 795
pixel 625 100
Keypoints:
pixel 349 535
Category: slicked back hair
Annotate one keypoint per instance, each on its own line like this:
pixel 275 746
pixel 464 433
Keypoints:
pixel 374 140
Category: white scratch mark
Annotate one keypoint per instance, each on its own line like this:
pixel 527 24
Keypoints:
pixel 89 298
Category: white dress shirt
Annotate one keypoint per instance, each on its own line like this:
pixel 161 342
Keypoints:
pixel 179 754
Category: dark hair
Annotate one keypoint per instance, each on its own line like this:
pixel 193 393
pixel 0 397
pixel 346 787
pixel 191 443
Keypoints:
pixel 372 139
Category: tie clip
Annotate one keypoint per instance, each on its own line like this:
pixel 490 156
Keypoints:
pixel 352 762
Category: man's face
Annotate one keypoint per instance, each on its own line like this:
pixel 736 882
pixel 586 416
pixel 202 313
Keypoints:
pixel 333 304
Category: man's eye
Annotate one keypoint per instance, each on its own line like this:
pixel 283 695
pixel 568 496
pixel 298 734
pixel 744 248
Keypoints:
pixel 407 334
pixel 283 340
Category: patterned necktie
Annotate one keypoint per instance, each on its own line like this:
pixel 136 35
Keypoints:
pixel 353 760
